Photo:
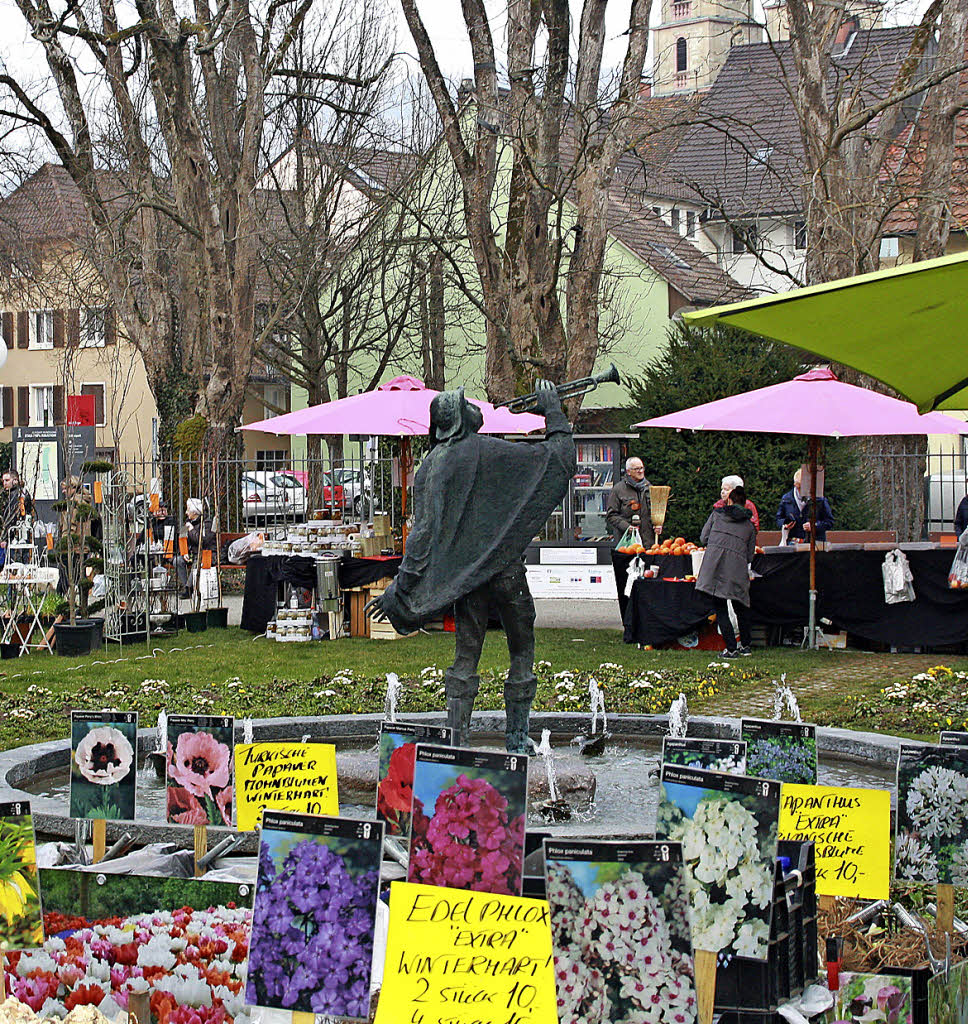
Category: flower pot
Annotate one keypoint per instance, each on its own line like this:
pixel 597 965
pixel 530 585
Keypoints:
pixel 9 650
pixel 218 618
pixel 196 622
pixel 70 641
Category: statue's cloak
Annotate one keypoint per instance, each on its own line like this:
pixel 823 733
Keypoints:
pixel 478 503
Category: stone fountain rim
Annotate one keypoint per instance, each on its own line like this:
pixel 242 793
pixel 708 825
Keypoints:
pixel 19 763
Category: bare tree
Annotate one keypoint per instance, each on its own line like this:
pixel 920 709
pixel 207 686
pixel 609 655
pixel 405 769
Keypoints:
pixel 187 100
pixel 560 143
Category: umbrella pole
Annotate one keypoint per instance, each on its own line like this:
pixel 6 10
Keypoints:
pixel 404 473
pixel 812 626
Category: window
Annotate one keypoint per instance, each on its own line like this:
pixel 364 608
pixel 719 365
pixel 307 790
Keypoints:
pixel 270 458
pixel 42 405
pixel 674 219
pixel 682 54
pixel 690 224
pixel 800 235
pixel 889 248
pixel 745 239
pixel 667 254
pixel 657 210
pixel 274 400
pixel 41 328
pixel 97 390
pixel 93 328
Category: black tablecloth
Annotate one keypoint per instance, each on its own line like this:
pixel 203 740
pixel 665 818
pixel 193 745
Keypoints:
pixel 669 565
pixel 850 593
pixel 265 575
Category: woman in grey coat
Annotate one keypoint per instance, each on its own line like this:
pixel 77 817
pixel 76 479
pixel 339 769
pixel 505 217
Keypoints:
pixel 730 540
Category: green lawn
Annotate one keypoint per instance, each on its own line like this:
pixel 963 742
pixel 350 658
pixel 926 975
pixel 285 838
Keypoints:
pixel 231 673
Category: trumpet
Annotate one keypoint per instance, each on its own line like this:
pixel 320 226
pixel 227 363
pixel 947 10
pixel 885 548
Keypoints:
pixel 524 403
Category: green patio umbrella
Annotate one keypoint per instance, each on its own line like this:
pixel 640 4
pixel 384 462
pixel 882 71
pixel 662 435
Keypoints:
pixel 906 326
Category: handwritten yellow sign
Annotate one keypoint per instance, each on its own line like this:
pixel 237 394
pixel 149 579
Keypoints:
pixel 297 777
pixel 456 957
pixel 851 830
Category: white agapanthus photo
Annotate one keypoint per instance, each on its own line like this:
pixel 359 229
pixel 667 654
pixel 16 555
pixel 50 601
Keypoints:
pixel 104 756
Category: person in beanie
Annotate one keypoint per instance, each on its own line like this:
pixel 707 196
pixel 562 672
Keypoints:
pixel 730 541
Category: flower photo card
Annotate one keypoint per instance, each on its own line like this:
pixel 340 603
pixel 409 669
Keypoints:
pixel 710 755
pixel 314 915
pixel 467 830
pixel 948 995
pixel 394 791
pixel 21 925
pixel 931 838
pixel 727 825
pixel 785 751
pixel 104 768
pixel 200 767
pixel 954 739
pixel 620 932
pixel 876 997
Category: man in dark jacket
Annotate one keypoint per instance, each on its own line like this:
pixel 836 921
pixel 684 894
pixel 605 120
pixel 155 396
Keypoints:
pixel 630 497
pixel 730 541
pixel 478 503
pixel 961 516
pixel 794 512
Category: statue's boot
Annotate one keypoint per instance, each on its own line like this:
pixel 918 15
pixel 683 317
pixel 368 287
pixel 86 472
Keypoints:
pixel 459 710
pixel 518 715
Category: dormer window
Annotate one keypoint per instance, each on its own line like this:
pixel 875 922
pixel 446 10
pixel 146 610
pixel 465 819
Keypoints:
pixel 762 156
pixel 682 54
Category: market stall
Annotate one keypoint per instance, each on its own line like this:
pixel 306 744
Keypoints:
pixel 850 594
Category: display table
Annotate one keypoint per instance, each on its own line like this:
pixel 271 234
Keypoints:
pixel 265 575
pixel 850 592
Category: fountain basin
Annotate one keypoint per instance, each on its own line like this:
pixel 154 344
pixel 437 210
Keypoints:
pixel 622 805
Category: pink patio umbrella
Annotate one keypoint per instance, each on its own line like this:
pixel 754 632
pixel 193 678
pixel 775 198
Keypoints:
pixel 816 404
pixel 399 408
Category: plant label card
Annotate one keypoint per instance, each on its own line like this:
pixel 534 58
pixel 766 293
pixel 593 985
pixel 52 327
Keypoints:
pixel 931 842
pixel 21 924
pixel 711 755
pixel 785 751
pixel 851 833
pixel 296 777
pixel 466 958
pixel 104 764
pixel 76 900
pixel 727 825
pixel 876 997
pixel 314 915
pixel 394 792
pixel 620 931
pixel 954 739
pixel 200 767
pixel 467 830
pixel 948 995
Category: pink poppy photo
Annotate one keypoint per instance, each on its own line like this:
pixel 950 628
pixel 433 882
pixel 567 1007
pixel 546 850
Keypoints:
pixel 200 767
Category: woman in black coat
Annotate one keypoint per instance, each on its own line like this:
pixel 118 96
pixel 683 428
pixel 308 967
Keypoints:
pixel 730 540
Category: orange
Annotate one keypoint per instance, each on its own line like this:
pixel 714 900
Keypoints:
pixel 679 540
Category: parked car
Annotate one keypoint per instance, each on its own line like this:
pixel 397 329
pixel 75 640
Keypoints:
pixel 356 485
pixel 280 494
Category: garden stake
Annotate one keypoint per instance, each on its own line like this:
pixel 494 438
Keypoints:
pixel 99 838
pixel 139 1007
pixel 705 968
pixel 946 908
pixel 201 847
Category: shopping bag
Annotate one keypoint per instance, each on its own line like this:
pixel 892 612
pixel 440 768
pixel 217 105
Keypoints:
pixel 958 573
pixel 631 542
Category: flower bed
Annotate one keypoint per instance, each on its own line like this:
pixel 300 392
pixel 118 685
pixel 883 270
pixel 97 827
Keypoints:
pixel 192 961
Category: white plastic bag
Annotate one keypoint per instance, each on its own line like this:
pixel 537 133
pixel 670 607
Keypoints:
pixel 898 578
pixel 636 571
pixel 239 550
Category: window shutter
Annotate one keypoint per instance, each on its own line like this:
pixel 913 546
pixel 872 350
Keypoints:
pixel 58 328
pixel 6 406
pixel 58 404
pixel 8 329
pixel 97 390
pixel 110 326
pixel 23 330
pixel 23 406
pixel 73 327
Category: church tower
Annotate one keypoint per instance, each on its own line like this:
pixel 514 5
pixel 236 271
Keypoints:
pixel 691 43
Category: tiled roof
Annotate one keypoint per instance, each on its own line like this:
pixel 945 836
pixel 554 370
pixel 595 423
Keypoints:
pixel 694 275
pixel 745 155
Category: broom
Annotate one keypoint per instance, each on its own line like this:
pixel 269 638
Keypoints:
pixel 659 500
